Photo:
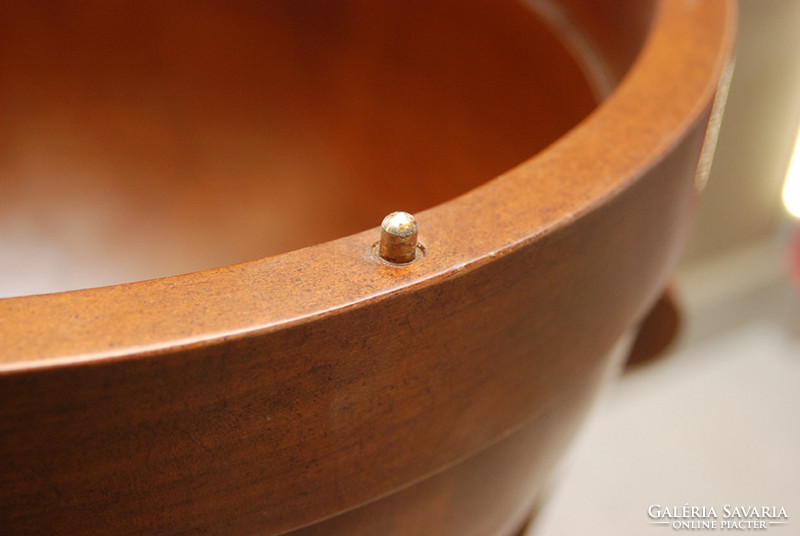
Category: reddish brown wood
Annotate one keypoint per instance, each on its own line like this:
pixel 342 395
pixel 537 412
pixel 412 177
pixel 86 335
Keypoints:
pixel 146 139
pixel 319 391
pixel 656 332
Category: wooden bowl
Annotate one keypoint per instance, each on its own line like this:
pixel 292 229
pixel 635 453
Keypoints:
pixel 549 150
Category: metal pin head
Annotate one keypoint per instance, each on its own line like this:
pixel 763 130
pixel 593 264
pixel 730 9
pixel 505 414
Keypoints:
pixel 398 238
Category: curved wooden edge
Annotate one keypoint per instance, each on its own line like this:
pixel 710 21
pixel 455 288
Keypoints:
pixel 342 379
pixel 666 91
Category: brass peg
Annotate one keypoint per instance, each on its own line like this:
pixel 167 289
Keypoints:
pixel 398 243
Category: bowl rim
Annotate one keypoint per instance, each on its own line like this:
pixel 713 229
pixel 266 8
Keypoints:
pixel 668 89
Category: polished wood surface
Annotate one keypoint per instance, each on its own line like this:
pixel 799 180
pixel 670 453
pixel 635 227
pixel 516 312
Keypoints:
pixel 147 139
pixel 320 391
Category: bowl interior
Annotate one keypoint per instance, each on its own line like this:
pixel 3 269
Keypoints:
pixel 147 139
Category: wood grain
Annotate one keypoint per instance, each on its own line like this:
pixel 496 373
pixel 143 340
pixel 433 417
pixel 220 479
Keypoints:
pixel 320 386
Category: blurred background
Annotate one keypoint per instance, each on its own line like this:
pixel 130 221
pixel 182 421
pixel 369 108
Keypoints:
pixel 715 420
